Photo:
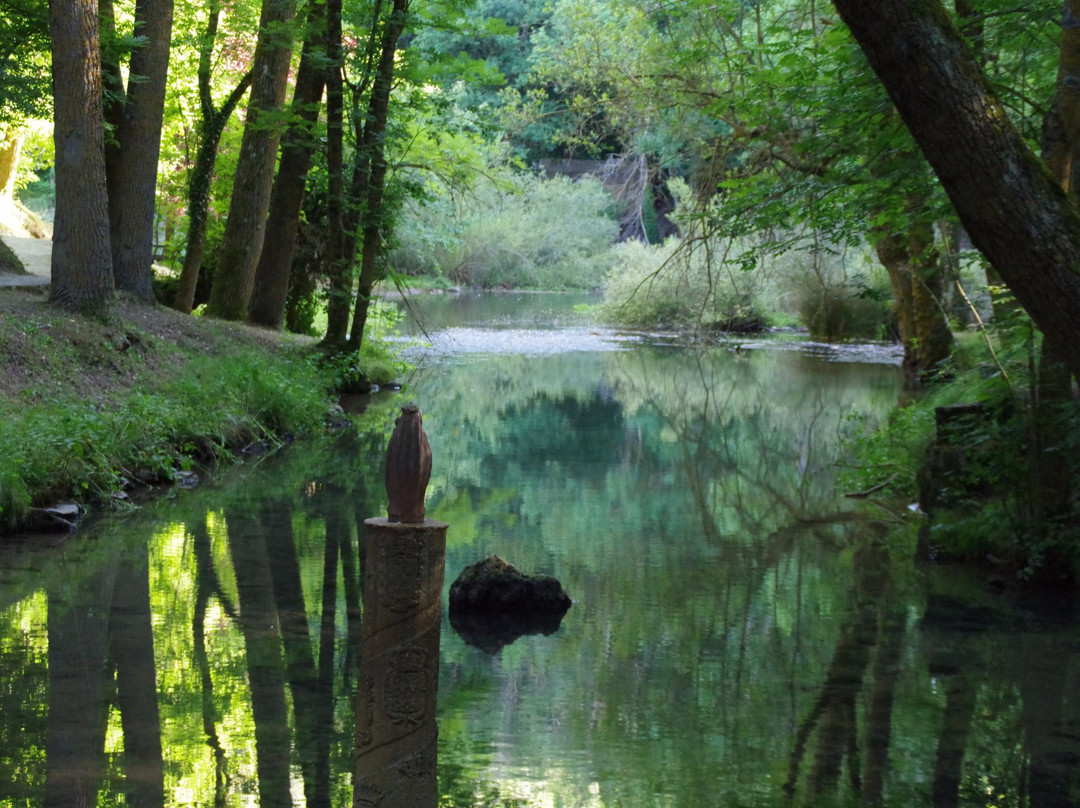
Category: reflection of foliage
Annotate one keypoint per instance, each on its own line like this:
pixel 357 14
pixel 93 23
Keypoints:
pixel 23 698
pixel 684 500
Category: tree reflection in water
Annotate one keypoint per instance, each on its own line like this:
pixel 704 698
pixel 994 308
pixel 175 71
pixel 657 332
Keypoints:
pixel 101 655
pixel 737 626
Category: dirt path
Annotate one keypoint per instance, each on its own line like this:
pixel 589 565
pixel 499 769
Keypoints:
pixel 36 255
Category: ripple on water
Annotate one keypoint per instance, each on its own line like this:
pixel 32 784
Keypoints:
pixel 462 341
pixel 522 341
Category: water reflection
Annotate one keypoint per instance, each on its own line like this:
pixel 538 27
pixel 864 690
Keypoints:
pixel 101 657
pixel 741 635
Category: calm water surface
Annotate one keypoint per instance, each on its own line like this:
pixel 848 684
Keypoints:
pixel 741 634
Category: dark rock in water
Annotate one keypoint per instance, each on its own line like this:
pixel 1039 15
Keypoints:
pixel 493 586
pixel 492 604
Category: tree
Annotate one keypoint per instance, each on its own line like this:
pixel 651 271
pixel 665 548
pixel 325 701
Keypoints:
pixel 275 261
pixel 361 209
pixel 246 224
pixel 373 161
pixel 1010 205
pixel 82 277
pixel 131 157
pixel 212 121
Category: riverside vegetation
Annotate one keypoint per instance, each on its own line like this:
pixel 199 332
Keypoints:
pixel 98 406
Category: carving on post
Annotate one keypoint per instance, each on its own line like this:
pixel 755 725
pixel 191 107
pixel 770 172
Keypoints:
pixel 408 467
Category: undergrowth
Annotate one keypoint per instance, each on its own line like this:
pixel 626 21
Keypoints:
pixel 991 459
pixel 94 408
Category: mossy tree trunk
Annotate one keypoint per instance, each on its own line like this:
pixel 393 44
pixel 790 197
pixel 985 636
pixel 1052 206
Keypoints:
pixel 1050 481
pixel 917 279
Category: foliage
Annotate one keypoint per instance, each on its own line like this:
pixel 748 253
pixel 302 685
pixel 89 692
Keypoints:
pixel 379 361
pixel 24 61
pixel 836 304
pixel 986 483
pixel 535 234
pixel 96 410
pixel 705 285
pixel 238 23
pixel 485 54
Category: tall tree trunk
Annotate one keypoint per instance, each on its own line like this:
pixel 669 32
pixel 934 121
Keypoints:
pixel 375 137
pixel 82 276
pixel 210 131
pixel 1015 213
pixel 1050 482
pixel 132 164
pixel 246 224
pixel 339 252
pixel 275 262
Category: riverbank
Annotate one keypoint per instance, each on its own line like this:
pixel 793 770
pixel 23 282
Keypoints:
pixel 95 411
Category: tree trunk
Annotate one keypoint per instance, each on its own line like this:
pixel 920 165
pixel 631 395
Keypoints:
pixel 917 280
pixel 1015 213
pixel 81 258
pixel 246 224
pixel 338 264
pixel 375 136
pixel 275 262
pixel 1050 480
pixel 210 129
pixel 132 162
pixel 10 146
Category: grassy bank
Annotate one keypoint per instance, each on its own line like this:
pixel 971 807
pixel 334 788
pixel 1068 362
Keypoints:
pixel 93 407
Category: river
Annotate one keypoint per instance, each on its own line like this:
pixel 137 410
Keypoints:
pixel 741 634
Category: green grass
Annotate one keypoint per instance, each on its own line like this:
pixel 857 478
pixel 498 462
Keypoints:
pixel 92 407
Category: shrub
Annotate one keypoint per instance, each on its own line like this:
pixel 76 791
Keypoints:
pixel 989 490
pixel 836 306
pixel 672 285
pixel 535 234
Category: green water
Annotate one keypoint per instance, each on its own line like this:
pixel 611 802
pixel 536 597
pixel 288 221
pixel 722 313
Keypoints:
pixel 741 634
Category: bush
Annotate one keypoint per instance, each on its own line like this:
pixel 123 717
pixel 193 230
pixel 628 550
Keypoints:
pixel 835 306
pixel 989 491
pixel 673 286
pixel 549 234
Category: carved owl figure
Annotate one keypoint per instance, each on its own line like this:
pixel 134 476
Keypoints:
pixel 408 467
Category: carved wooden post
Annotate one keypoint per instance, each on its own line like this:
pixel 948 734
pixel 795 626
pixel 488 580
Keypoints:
pixel 405 555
